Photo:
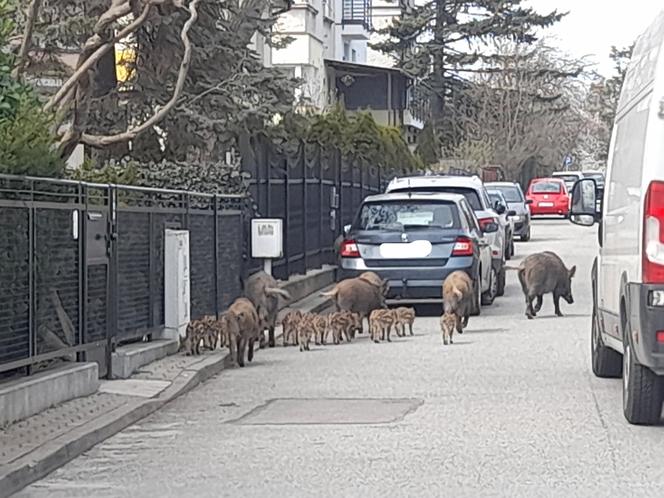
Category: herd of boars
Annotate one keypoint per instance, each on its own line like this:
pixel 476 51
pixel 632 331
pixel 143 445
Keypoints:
pixel 356 299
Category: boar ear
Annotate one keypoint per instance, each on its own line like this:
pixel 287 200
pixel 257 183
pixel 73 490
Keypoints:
pixel 572 271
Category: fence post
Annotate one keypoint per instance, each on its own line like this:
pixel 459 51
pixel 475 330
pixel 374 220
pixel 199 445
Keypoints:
pixel 32 306
pixel 321 209
pixel 112 278
pixel 303 160
pixel 215 248
pixel 287 213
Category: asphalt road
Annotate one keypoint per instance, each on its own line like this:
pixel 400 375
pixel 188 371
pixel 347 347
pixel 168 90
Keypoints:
pixel 511 409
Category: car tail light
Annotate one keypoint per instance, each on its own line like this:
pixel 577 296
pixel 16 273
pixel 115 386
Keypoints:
pixel 463 247
pixel 487 221
pixel 660 336
pixel 653 235
pixel 349 249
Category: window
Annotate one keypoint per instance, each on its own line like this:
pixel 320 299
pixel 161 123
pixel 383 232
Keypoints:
pixel 545 188
pixel 405 215
pixel 470 216
pixel 469 193
pixel 353 56
pixel 511 194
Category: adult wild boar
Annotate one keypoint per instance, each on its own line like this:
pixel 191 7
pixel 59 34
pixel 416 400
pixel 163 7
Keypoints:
pixel 543 273
pixel 242 325
pixel 357 295
pixel 264 292
pixel 458 298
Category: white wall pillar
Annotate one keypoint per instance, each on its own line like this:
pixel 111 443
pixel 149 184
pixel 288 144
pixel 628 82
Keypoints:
pixel 176 284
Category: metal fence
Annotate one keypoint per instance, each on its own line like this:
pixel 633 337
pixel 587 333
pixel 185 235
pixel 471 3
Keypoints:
pixel 315 192
pixel 82 265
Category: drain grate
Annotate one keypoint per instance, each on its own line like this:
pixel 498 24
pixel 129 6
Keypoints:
pixel 329 411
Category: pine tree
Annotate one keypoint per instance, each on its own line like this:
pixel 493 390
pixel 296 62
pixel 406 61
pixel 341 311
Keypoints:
pixel 441 41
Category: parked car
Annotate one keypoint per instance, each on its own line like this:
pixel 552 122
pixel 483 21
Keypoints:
pixel 472 188
pixel 505 217
pixel 598 176
pixel 414 241
pixel 518 203
pixel 628 274
pixel 548 197
pixel 569 177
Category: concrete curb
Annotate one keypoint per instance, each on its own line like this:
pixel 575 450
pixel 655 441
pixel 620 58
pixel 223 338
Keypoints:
pixel 57 452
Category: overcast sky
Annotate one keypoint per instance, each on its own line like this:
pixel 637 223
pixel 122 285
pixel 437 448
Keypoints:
pixel 592 26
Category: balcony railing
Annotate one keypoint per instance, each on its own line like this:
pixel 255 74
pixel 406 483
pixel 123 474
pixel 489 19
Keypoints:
pixel 357 12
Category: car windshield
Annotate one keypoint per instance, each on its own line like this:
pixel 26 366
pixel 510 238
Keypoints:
pixel 404 215
pixel 598 177
pixel 511 194
pixel 568 178
pixel 470 194
pixel 545 188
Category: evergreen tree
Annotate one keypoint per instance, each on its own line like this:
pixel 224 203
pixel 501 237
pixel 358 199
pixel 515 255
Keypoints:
pixel 440 41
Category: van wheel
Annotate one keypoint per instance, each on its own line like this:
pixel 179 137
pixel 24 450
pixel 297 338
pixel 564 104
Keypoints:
pixel 490 295
pixel 643 391
pixel 606 362
pixel 526 237
pixel 500 288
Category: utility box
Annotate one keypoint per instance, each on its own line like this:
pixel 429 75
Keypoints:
pixel 176 284
pixel 267 238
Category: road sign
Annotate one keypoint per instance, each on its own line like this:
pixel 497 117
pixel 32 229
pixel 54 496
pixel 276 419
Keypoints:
pixel 568 161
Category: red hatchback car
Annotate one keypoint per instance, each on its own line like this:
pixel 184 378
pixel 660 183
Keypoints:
pixel 549 197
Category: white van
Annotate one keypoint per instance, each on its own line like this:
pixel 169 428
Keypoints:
pixel 628 274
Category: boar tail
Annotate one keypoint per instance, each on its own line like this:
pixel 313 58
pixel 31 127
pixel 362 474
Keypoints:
pixel 332 293
pixel 276 291
pixel 513 268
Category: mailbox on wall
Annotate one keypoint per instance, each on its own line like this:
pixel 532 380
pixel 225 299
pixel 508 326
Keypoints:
pixel 267 240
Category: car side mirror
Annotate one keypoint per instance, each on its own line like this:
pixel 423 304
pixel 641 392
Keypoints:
pixel 346 229
pixel 584 203
pixel 500 208
pixel 529 202
pixel 511 213
pixel 490 227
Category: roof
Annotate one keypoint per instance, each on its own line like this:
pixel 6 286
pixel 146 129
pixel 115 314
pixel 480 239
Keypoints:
pixel 417 196
pixel 433 181
pixel 500 184
pixel 356 67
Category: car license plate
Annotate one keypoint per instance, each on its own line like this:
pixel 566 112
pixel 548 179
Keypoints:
pixel 416 249
pixel 546 204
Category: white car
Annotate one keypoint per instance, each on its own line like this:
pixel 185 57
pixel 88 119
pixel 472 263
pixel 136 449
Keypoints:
pixel 506 217
pixel 472 188
pixel 628 274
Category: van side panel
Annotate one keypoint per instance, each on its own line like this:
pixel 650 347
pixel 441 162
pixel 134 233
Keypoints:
pixel 621 252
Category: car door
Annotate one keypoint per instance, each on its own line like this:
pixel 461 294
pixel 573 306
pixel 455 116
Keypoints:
pixel 485 247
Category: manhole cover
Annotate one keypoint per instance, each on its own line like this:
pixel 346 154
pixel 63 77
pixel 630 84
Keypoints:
pixel 329 411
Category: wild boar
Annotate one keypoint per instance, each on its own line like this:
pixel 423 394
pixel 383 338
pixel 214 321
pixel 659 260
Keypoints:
pixel 357 295
pixel 448 322
pixel 544 273
pixel 458 298
pixel 264 292
pixel 381 322
pixel 243 323
pixel 374 279
pixel 289 325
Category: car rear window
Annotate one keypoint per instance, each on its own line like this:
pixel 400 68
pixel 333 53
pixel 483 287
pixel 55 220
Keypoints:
pixel 545 188
pixel 405 215
pixel 470 194
pixel 511 194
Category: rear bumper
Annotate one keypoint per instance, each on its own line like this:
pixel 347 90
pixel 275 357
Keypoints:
pixel 521 228
pixel 646 321
pixel 411 283
pixel 559 210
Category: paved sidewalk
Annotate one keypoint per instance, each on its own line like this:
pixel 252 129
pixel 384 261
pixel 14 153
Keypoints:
pixel 34 447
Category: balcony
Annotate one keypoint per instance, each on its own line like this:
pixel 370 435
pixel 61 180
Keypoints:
pixel 356 19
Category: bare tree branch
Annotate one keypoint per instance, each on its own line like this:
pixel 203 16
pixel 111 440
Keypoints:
pixel 105 140
pixel 31 16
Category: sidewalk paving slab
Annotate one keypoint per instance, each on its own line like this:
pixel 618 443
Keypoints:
pixel 32 448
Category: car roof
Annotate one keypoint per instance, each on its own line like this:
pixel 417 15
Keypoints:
pixel 566 173
pixel 547 179
pixel 501 184
pixel 418 196
pixel 438 180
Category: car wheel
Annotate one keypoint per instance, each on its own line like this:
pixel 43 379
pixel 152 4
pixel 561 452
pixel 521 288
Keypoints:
pixel 526 237
pixel 490 295
pixel 643 392
pixel 477 288
pixel 606 363
pixel 500 287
